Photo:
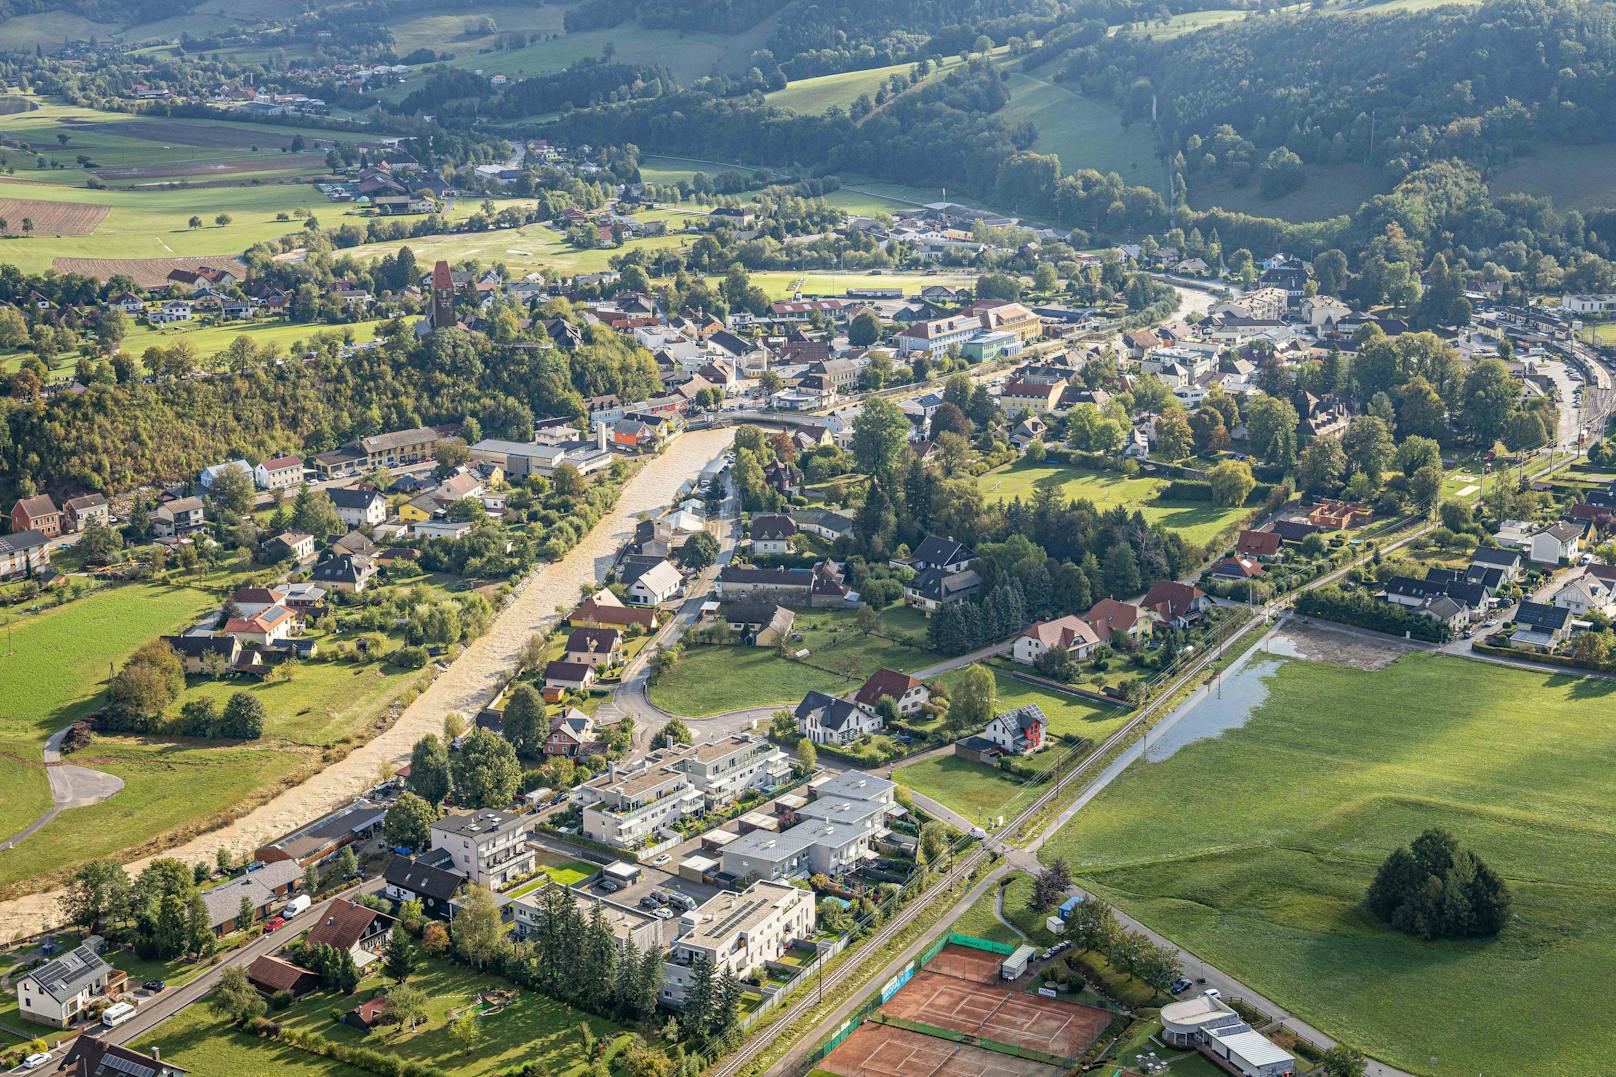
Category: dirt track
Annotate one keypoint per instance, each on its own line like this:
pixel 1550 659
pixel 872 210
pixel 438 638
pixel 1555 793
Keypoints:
pixel 463 688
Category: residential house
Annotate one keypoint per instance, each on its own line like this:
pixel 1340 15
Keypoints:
pixel 603 608
pixel 723 770
pixel 826 523
pixel 628 805
pixel 271 975
pixel 178 517
pixel 1261 545
pixel 738 934
pixel 571 734
pixel 762 623
pixel 92 1056
pixel 1030 398
pixel 359 506
pixel 1541 626
pixel 1560 543
pixel 194 651
pixel 352 929
pixel 1109 618
pixel 267 628
pixel 279 473
pixel 656 584
pixel 1584 592
pixel 817 588
pixel 37 513
pixel 783 478
pixel 1237 567
pixel 430 878
pixel 264 888
pixel 1018 732
pixel 1507 562
pixel 935 551
pixel 489 847
pixel 595 646
pixel 213 471
pixel 562 677
pixel 58 992
pixel 934 588
pixel 771 534
pixel 909 694
pixel 824 719
pixel 23 553
pixel 1071 633
pixel 290 546
pixel 348 573
pixel 1176 604
pixel 816 846
pixel 81 511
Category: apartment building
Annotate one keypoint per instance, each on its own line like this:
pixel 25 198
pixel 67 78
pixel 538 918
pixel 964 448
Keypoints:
pixel 726 769
pixel 739 932
pixel 626 806
pixel 489 847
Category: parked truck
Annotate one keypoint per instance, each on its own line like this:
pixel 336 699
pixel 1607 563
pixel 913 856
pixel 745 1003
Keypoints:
pixel 297 905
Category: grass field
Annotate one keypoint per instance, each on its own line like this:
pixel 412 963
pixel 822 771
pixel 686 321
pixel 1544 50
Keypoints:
pixel 1254 849
pixel 203 1042
pixel 715 680
pixel 814 95
pixel 1081 131
pixel 1330 190
pixel 210 340
pixel 1197 521
pixel 782 284
pixel 1576 177
pixel 982 792
pixel 531 1030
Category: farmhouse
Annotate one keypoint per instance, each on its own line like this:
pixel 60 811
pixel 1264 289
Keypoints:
pixel 1109 618
pixel 353 929
pixel 764 623
pixel 594 646
pixel 1176 604
pixel 178 517
pixel 815 588
pixel 80 512
pixel 37 513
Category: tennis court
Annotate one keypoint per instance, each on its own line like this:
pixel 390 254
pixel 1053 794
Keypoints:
pixel 884 1051
pixel 965 1001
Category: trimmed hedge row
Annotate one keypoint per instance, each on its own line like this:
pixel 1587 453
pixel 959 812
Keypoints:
pixel 1201 490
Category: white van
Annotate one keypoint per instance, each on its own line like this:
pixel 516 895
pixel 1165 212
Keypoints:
pixel 297 905
pixel 117 1014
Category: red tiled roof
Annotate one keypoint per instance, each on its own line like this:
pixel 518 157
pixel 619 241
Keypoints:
pixel 343 924
pixel 885 682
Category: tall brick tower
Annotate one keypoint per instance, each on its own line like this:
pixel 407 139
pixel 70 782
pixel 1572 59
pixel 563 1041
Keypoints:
pixel 443 296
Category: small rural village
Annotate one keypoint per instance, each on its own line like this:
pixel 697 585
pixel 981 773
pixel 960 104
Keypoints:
pixel 977 570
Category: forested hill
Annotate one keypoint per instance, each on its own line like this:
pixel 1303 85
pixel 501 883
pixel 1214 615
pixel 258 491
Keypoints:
pixel 1477 84
pixel 115 12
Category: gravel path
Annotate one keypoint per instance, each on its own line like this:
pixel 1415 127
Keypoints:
pixel 464 687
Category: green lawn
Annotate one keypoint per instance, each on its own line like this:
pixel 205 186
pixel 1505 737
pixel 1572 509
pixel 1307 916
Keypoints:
pixel 54 669
pixel 1254 849
pixel 210 338
pixel 532 1029
pixel 1198 521
pixel 815 95
pixel 715 680
pixel 204 1043
pixel 981 792
pixel 782 284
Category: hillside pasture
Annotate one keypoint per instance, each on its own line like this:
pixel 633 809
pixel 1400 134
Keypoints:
pixel 49 218
pixel 1081 131
pixel 1329 191
pixel 1576 177
pixel 1266 878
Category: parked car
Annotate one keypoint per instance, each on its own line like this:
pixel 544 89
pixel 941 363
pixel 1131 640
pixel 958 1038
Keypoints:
pixel 684 901
pixel 611 886
pixel 273 923
pixel 1212 993
pixel 34 1061
pixel 663 859
pixel 154 986
pixel 1178 986
pixel 649 901
pixel 663 913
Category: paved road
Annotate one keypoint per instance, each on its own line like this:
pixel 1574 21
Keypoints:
pixel 153 1013
pixel 71 786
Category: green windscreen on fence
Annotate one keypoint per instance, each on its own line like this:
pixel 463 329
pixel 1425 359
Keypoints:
pixel 981 944
pixel 933 950
pixel 956 1036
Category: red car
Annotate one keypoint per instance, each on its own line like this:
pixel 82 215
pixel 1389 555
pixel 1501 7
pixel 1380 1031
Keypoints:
pixel 271 925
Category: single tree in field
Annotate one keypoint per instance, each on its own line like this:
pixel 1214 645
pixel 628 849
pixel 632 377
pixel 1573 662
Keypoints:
pixel 194 222
pixel 27 225
pixel 222 220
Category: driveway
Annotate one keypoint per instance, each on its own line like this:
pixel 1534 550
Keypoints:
pixel 71 786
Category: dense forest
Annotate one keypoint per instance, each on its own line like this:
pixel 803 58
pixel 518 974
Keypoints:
pixel 1395 88
pixel 121 434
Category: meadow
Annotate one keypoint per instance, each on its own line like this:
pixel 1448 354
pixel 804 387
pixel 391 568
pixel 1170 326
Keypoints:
pixel 1081 131
pixel 1254 849
pixel 814 95
pixel 982 792
pixel 1198 521
pixel 210 339
pixel 782 284
pixel 204 1042
pixel 1576 177
pixel 713 680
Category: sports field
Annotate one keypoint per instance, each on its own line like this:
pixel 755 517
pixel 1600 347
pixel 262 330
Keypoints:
pixel 1254 848
pixel 1198 521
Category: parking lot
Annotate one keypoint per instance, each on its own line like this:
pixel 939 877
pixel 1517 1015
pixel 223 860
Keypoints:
pixel 654 879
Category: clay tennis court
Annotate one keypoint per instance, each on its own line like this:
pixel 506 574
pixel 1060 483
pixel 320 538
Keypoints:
pixel 884 1051
pixel 994 1010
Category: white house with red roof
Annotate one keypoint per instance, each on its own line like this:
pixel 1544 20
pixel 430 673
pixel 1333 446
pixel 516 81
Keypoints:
pixel 1070 633
pixel 909 694
pixel 279 473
